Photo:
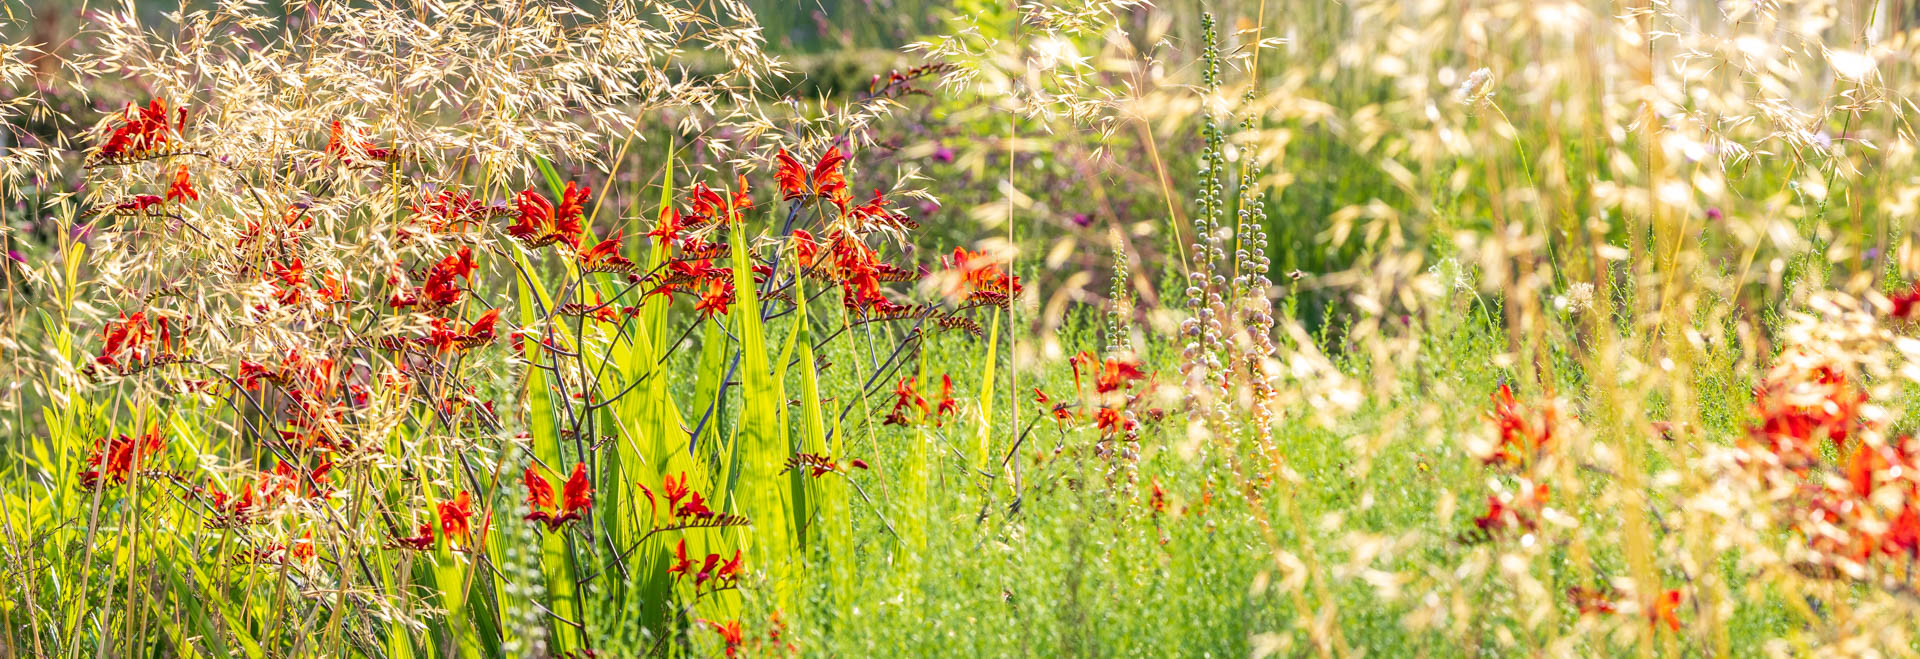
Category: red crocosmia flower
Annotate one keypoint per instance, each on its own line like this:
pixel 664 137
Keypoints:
pixel 606 254
pixel 976 275
pixel 450 209
pixel 824 181
pixel 828 181
pixel 1903 535
pixel 715 299
pixel 681 565
pixel 1158 501
pixel 904 395
pixel 704 204
pixel 1867 460
pixel 181 189
pixel 134 205
pixel 805 249
pixel 539 496
pixel 345 144
pixel 729 632
pixel 674 491
pixel 303 548
pixel 1904 304
pixel 1524 430
pixel 1666 609
pixel 290 276
pixel 1040 396
pixel 572 208
pixel 577 497
pixel 694 507
pixel 791 175
pixel 332 289
pixel 741 203
pixel 454 516
pixel 1110 421
pixel 1117 374
pixel 876 212
pixel 669 226
pixel 126 339
pixel 858 463
pixel 1498 515
pixel 422 539
pixel 1589 600
pixel 706 570
pixel 947 403
pixel 542 223
pixel 443 283
pixel 112 460
pixel 730 569
pixel 482 329
pixel 142 129
pixel 577 494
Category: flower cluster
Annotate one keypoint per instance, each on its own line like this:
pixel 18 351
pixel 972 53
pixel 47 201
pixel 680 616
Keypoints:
pixel 111 461
pixel 1873 509
pixel 1110 401
pixel 576 497
pixel 141 130
pixel 1524 432
pixel 720 573
pixel 911 408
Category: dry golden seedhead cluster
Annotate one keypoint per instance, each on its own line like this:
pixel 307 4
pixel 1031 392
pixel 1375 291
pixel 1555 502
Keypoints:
pixel 16 160
pixel 1513 102
pixel 321 145
pixel 1041 72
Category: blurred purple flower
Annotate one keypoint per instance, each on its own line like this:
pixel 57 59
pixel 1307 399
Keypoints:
pixel 1713 214
pixel 943 154
pixel 17 256
pixel 1082 219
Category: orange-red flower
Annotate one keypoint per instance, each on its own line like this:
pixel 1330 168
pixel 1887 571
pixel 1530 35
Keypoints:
pixel 422 539
pixel 729 632
pixel 142 129
pixel 542 223
pixel 716 298
pixel 577 497
pixel 181 189
pixel 450 209
pixel 948 404
pixel 1666 609
pixel 303 548
pixel 1589 600
pixel 1524 430
pixel 443 283
pixel 681 564
pixel 1904 304
pixel 695 507
pixel 674 490
pixel 127 339
pixel 605 255
pixel 1116 374
pixel 111 460
pixel 345 143
pixel 978 275
pixel 454 518
pixel 824 181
